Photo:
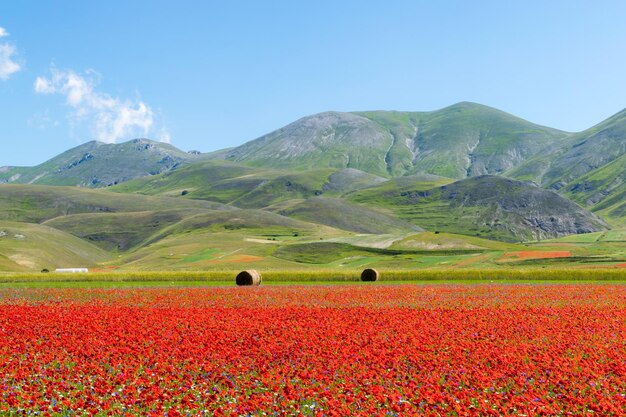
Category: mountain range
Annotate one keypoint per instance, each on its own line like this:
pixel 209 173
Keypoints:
pixel 467 169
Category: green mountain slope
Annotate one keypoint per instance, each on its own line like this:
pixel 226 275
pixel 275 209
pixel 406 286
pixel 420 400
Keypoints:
pixel 591 149
pixel 591 170
pixel 602 190
pixel 614 207
pixel 331 139
pixel 96 164
pixel 463 140
pixel 586 152
pixel 487 206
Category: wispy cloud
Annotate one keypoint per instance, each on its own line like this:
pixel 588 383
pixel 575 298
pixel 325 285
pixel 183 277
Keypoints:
pixel 165 136
pixel 109 118
pixel 8 63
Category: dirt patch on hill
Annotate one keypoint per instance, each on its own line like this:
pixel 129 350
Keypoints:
pixel 23 261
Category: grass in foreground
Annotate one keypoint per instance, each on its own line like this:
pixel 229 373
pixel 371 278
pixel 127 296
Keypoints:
pixel 203 278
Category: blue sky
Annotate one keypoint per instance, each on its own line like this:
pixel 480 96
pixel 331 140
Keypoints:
pixel 207 75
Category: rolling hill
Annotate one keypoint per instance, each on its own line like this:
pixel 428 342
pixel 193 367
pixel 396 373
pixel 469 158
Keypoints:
pixel 342 214
pixel 119 232
pixel 486 206
pixel 219 181
pixel 28 247
pixel 38 203
pixel 248 187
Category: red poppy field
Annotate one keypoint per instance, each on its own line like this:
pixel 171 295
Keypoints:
pixel 440 350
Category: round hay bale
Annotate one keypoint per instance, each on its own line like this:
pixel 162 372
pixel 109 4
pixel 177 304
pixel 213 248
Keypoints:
pixel 249 277
pixel 370 274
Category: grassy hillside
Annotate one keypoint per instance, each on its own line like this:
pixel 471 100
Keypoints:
pixel 464 140
pixel 591 149
pixel 614 208
pixel 327 252
pixel 350 179
pixel 449 241
pixel 97 164
pixel 120 222
pixel 487 206
pixel 32 247
pixel 256 239
pixel 247 187
pixel 290 186
pixel 119 231
pixel 380 194
pixel 331 139
pixel 211 180
pixel 240 222
pixel 590 170
pixel 348 216
pixel 603 190
pixel 569 166
pixel 613 235
pixel 217 243
pixel 346 256
pixel 37 203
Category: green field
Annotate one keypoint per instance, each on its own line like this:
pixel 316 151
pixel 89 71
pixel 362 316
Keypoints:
pixel 200 239
pixel 314 276
pixel 358 221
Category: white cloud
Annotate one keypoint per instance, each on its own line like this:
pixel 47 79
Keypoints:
pixel 8 64
pixel 109 118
